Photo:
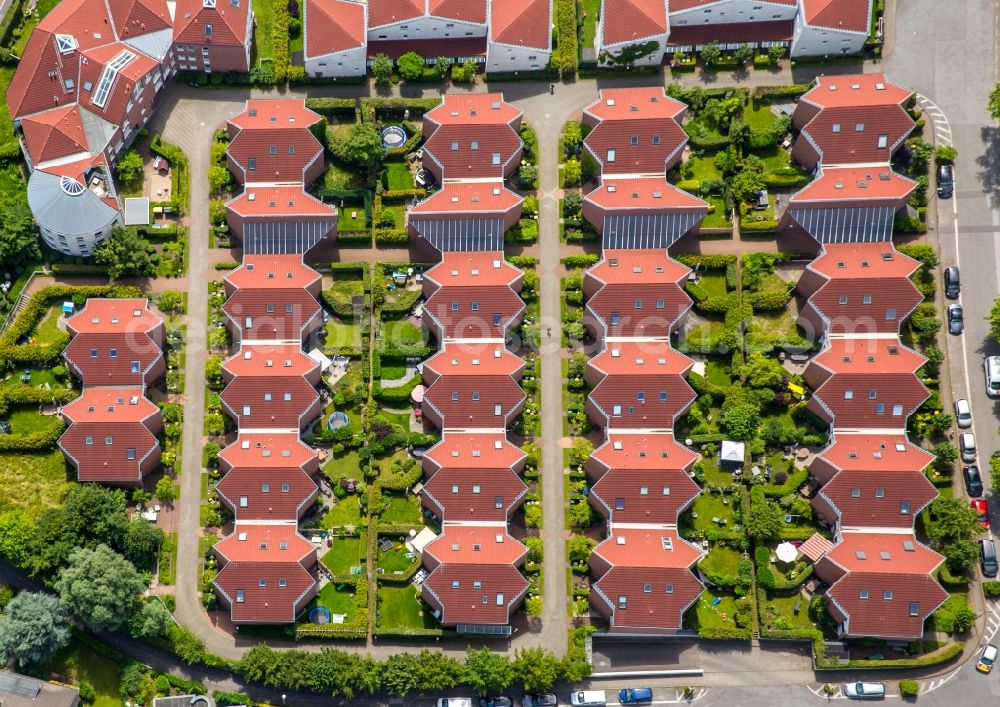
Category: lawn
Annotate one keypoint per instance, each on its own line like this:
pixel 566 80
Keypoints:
pixel 721 560
pixel 38 378
pixel 400 419
pixel 398 176
pixel 80 663
pixel 401 333
pixel 351 217
pixel 25 419
pixel 264 12
pixel 719 217
pixel 709 506
pixel 394 560
pixel 715 372
pixel 338 602
pixel 342 332
pixel 713 474
pixel 393 371
pixel 775 328
pixel 402 510
pixel 785 606
pixel 718 616
pixel 760 118
pixel 32 481
pixel 347 512
pixel 48 331
pixel 774 158
pixel 399 606
pixel 398 212
pixel 714 282
pixel 702 127
pixel 347 465
pixel 702 167
pixel 343 177
pixel 344 554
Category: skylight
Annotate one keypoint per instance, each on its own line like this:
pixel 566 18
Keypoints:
pixel 120 61
pixel 66 43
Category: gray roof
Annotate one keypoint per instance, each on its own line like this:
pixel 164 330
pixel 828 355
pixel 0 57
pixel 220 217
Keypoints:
pixel 137 211
pixel 155 44
pixel 98 131
pixel 183 701
pixel 21 691
pixel 64 206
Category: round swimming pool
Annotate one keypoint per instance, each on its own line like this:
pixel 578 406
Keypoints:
pixel 338 420
pixel 393 136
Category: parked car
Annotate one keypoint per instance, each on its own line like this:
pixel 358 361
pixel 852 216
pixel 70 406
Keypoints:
pixel 982 509
pixel 973 481
pixel 986 659
pixel 945 181
pixel 963 414
pixel 454 702
pixel 635 695
pixel 952 282
pixel 864 690
pixel 956 323
pixel 588 698
pixel 988 558
pixel 496 701
pixel 539 699
pixel 967 446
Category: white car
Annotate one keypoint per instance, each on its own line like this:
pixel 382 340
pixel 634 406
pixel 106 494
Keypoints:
pixel 967 447
pixel 963 414
pixel 864 690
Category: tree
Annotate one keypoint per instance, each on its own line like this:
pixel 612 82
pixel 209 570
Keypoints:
pixel 220 179
pixel 994 102
pixel 18 239
pixel 945 456
pixel 166 490
pixel 726 161
pixel 400 673
pixel 100 587
pixel 951 519
pixel 536 548
pixel 961 555
pixel 749 181
pixel 33 628
pixel 382 69
pixel 572 173
pixel 775 53
pixel 743 54
pixel 129 169
pixel 437 671
pixel 411 66
pixel 572 137
pixel 170 302
pixel 95 515
pixel 579 548
pixel 711 53
pixel 153 620
pixel 441 66
pixel 945 154
pixel 361 147
pixel 141 540
pixel 740 421
pixel 124 253
pixel 994 320
pixel 536 668
pixel 580 450
pixel 763 520
pixel 487 672
pixel 759 371
pixel 920 155
pixel 16 531
pixel 581 515
pixel 965 617
pixel 527 176
pixel 466 73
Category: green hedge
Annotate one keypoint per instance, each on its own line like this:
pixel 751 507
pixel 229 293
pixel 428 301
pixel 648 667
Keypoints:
pixel 952 651
pixel 78 269
pixel 724 633
pixel 566 53
pixel 180 177
pixel 583 260
pixel 777 181
pixel 765 226
pixel 395 108
pixel 395 394
pixel 333 107
pixel 391 195
pixel 773 301
pixel 991 589
pixel 789 91
pixel 391 236
pixel 707 262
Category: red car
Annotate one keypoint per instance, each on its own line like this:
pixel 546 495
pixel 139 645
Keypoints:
pixel 980 507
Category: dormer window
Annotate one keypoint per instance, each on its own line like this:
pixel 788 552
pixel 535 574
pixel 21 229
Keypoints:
pixel 208 28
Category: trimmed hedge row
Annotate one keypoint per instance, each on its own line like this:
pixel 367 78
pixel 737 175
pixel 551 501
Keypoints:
pixel 707 262
pixel 29 395
pixel 34 441
pixel 180 178
pixel 333 107
pixel 391 236
pixel 566 55
pixel 395 394
pixel 583 260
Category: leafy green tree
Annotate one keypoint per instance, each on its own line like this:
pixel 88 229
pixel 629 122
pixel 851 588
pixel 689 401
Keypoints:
pixel 95 515
pixel 382 69
pixel 994 319
pixel 763 519
pixel 711 53
pixel 527 176
pixel 129 168
pixel 411 66
pixel 142 539
pixel 220 179
pixel 581 515
pixel 740 421
pixel 33 627
pixel 775 53
pixel 572 137
pixel 965 617
pixel 743 54
pixel 187 644
pixel 749 180
pixel 536 549
pixel 759 371
pixel 100 587
pixel 438 671
pixel 536 668
pixel 994 102
pixel 16 531
pixel 579 548
pixel 945 154
pixel 961 555
pixel 951 519
pixel 945 456
pixel 166 490
pixel 153 620
pixel 726 161
pixel 400 674
pixel 18 235
pixel 572 173
pixel 920 155
pixel 124 253
pixel 441 66
pixel 170 302
pixel 362 147
pixel 487 672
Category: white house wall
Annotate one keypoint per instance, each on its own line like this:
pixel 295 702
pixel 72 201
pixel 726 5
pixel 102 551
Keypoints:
pixel 352 62
pixel 820 41
pixel 426 28
pixel 730 11
pixel 504 57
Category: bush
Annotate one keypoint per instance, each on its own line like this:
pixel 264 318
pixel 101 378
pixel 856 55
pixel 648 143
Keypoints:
pixel 411 66
pixel 908 688
pixel 565 57
pixel 991 589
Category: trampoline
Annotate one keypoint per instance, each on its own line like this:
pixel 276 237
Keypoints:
pixel 393 136
pixel 337 420
pixel 319 615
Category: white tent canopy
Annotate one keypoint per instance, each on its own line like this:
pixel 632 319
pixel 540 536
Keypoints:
pixel 786 552
pixel 733 452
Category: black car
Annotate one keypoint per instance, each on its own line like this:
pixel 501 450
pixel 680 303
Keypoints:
pixel 988 558
pixel 945 181
pixel 952 282
pixel 539 699
pixel 956 323
pixel 496 701
pixel 973 481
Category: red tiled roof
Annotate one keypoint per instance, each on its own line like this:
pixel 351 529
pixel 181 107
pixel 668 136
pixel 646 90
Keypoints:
pixel 883 553
pixel 281 153
pixel 86 21
pixel 134 18
pixel 879 499
pixel 229 23
pixel 270 494
pixel 473 358
pixel 846 15
pixel 32 87
pixel 107 359
pixel 476 545
pixel 279 202
pixel 270 450
pixel 277 543
pixel 272 603
pixel 679 5
pixel 272 271
pixel 875 452
pixel 477 399
pixel 273 360
pixel 640 145
pixel 451 308
pixel 863 260
pixel 855 90
pixel 648 321
pixel 54 134
pixel 489 450
pixel 890 301
pixel 892 618
pixel 767 31
pixel 649 496
pixel 870 183
pixel 626 267
pixel 647 193
pixel 649 451
pixel 523 23
pixel 122 316
pixel 387 12
pixel 473 268
pixel 642 359
pixel 632 20
pixel 858 400
pixel 275 401
pixel 462 10
pixel 333 26
pixel 445 46
pixel 468 151
pixel 468 197
pixel 647 548
pixel 617 397
pixel 275 113
pixel 671 591
pixel 277 325
pixel 473 109
pixel 475 494
pixel 649 103
pixel 121 415
pixel 867 356
pixel 835 133
pixel 500 587
pixel 92 69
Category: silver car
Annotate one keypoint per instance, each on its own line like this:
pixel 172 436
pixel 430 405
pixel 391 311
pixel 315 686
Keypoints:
pixel 864 690
pixel 967 447
pixel 963 414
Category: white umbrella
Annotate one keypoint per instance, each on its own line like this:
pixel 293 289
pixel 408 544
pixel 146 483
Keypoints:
pixel 786 552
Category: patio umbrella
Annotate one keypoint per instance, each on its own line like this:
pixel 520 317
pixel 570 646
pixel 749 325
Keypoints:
pixel 417 396
pixel 786 552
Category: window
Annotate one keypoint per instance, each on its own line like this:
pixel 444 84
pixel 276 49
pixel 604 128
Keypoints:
pixel 475 395
pixel 859 127
pixel 291 149
pixel 670 589
pixel 135 366
pixel 110 72
pixel 88 440
pixel 93 353
pixel 647 588
pixel 848 395
pixel 863 594
pixel 496 320
pixel 897 410
pixel 252 164
pixel 611 155
pixel 454 306
pixel 619 504
pixel 843 299
pixel 265 488
pixel 633 140
pixel 498 410
pixel 475 306
pixel 887 595
pixel 272 149
pixel 616 410
pixel 656 139
pixel 267 397
pixel 240 596
pixel 474 145
pixel 287 397
pixel 288 309
pixel 883 141
pixel 890 314
pixel 879 493
pixel 208 31
pixel 285 488
pixel 615 317
pixel 455 584
pixel 622 601
pixel 261 582
pixel 454 396
pixel 496 158
pixel 904 508
pixel 270 309
pixel 640 396
pixel 108 441
pixel 872 394
pixel 281 582
pixel 836 127
pixel 879 408
pixel 914 608
pixel 637 304
pixel 660 304
pixel 866 299
pixel 855 493
pixel 130 453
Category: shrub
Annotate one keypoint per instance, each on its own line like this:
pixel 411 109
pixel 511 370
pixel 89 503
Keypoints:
pixel 411 66
pixel 908 688
pixel 565 58
pixel 991 589
pixel 945 154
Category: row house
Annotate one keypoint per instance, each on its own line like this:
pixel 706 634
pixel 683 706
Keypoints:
pixel 116 352
pixel 272 298
pixel 343 36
